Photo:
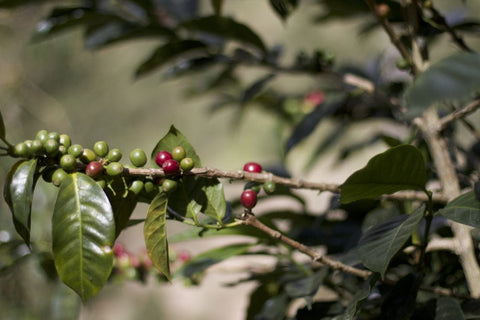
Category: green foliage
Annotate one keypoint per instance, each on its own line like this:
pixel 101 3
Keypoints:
pixel 463 209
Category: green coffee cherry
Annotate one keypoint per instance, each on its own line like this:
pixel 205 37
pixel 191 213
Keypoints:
pixel 58 176
pixel 114 169
pixel 136 186
pixel 42 135
pixel 51 147
pixel 87 156
pixel 150 188
pixel 21 150
pixel 68 162
pixel 114 155
pixel 169 185
pixel 269 187
pixel 187 164
pixel 75 150
pixel 178 153
pixel 37 147
pixel 101 148
pixel 138 157
pixel 403 64
pixel 65 140
pixel 54 135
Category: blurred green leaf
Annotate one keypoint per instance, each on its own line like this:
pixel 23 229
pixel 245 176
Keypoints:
pixel 18 194
pixel 17 3
pixel 359 298
pixel 83 232
pixel 274 308
pixel 155 233
pixel 169 51
pixel 226 28
pixel 256 87
pixel 196 232
pixel 12 252
pixel 377 252
pixel 463 209
pixel 123 202
pixel 2 128
pixel 398 168
pixel 453 78
pixel 284 8
pixel 306 287
pixel 201 262
pixel 217 6
pixel 448 308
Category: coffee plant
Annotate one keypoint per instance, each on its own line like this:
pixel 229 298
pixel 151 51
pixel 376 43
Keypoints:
pixel 399 239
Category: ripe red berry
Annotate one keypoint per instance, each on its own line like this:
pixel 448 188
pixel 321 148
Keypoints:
pixel 162 156
pixel 94 169
pixel 252 167
pixel 249 198
pixel 170 166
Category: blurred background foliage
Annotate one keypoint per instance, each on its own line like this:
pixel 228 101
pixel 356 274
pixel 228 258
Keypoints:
pixel 60 84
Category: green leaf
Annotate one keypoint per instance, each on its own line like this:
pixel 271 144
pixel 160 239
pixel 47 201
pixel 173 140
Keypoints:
pixel 196 232
pixel 256 87
pixel 359 298
pixel 167 52
pixel 172 139
pixel 448 308
pixel 201 262
pixel 18 194
pixel 398 168
pixel 274 308
pixel 155 234
pixel 377 252
pixel 215 205
pixel 226 28
pixel 123 202
pixel 453 78
pixel 463 209
pixel 217 6
pixel 16 3
pixel 83 232
pixel 306 287
pixel 2 128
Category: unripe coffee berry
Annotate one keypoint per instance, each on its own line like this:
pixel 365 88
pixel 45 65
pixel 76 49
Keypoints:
pixel 187 164
pixel 162 156
pixel 252 167
pixel 65 140
pixel 178 153
pixel 101 148
pixel 269 187
pixel 42 135
pixel 37 147
pixel 114 155
pixel 75 150
pixel 94 169
pixel 249 198
pixel 68 162
pixel 169 185
pixel 87 156
pixel 21 150
pixel 138 157
pixel 58 176
pixel 54 135
pixel 136 186
pixel 114 169
pixel 51 147
pixel 170 166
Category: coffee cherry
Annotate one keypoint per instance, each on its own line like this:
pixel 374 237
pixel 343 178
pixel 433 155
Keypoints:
pixel 58 176
pixel 101 148
pixel 87 156
pixel 54 135
pixel 21 150
pixel 114 169
pixel 138 157
pixel 169 185
pixel 248 198
pixel 114 155
pixel 62 150
pixel 162 156
pixel 170 166
pixel 94 169
pixel 187 164
pixel 178 153
pixel 383 10
pixel 65 140
pixel 136 186
pixel 37 147
pixel 75 150
pixel 51 147
pixel 269 187
pixel 68 162
pixel 42 135
pixel 149 187
pixel 252 167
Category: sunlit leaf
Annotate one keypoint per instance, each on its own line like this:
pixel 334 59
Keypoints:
pixel 155 233
pixel 359 298
pixel 448 308
pixel 168 52
pixel 453 78
pixel 227 28
pixel 83 232
pixel 463 209
pixel 398 168
pixel 377 252
pixel 18 194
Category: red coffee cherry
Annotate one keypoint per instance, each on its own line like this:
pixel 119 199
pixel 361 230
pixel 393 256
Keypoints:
pixel 170 166
pixel 162 156
pixel 94 169
pixel 252 167
pixel 249 198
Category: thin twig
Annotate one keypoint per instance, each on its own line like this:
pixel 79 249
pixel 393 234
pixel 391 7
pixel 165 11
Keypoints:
pixel 440 19
pixel 459 114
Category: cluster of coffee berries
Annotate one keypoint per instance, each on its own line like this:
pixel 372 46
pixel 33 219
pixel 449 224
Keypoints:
pixel 248 197
pixel 173 162
pixel 129 266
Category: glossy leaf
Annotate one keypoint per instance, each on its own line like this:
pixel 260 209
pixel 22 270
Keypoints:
pixel 18 194
pixel 123 202
pixel 284 8
pixel 83 232
pixel 201 262
pixel 155 234
pixel 196 232
pixel 453 78
pixel 215 205
pixel 463 209
pixel 448 308
pixel 398 168
pixel 359 298
pixel 377 252
pixel 226 28
pixel 168 52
